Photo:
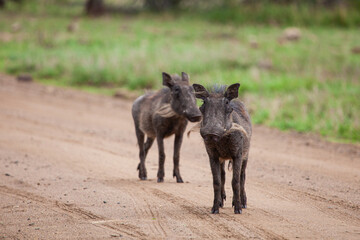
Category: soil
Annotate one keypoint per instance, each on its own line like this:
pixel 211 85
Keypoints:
pixel 68 171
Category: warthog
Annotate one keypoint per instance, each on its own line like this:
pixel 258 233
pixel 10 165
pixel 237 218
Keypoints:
pixel 161 114
pixel 226 130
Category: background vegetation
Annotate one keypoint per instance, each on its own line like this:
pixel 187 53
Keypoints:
pixel 310 85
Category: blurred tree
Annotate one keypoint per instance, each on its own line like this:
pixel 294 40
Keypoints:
pixel 161 5
pixel 2 2
pixel 94 7
pixel 319 2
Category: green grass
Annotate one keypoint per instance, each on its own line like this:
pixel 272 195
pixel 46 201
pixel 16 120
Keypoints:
pixel 299 14
pixel 313 85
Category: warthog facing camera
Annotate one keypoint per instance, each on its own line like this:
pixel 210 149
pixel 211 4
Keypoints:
pixel 226 130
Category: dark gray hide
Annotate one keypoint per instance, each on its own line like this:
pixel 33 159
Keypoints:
pixel 161 114
pixel 226 130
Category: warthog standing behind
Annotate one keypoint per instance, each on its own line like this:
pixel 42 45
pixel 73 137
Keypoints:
pixel 161 114
pixel 226 130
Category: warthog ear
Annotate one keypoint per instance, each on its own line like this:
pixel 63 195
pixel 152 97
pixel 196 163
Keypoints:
pixel 232 91
pixel 167 80
pixel 200 91
pixel 185 77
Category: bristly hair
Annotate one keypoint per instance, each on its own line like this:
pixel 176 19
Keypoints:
pixel 176 77
pixel 217 89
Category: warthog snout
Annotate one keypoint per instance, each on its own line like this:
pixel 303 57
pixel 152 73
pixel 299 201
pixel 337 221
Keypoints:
pixel 211 138
pixel 211 134
pixel 194 118
pixel 193 115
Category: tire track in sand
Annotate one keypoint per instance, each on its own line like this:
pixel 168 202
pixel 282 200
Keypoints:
pixel 75 212
pixel 218 223
pixel 142 207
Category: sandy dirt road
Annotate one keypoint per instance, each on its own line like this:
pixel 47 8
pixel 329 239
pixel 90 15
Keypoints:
pixel 68 171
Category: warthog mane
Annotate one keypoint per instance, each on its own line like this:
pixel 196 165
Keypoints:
pixel 166 111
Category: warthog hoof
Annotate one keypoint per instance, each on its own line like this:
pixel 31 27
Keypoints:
pixel 214 211
pixel 243 206
pixel 160 180
pixel 177 175
pixel 179 180
pixel 237 211
pixel 237 207
pixel 142 172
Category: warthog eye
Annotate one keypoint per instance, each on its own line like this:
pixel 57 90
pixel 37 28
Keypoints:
pixel 176 90
pixel 228 107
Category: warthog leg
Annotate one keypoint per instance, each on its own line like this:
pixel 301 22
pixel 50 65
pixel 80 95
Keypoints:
pixel 141 167
pixel 216 172
pixel 223 194
pixel 177 146
pixel 161 173
pixel 236 185
pixel 242 184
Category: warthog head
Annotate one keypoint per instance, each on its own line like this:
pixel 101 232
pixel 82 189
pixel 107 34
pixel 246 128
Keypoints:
pixel 183 101
pixel 216 110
